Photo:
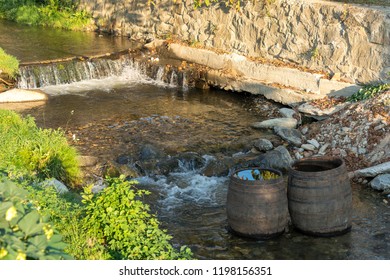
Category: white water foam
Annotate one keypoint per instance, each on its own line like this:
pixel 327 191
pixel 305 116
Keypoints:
pixel 129 77
pixel 180 189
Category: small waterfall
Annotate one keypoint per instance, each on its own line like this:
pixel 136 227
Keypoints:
pixel 66 72
pixel 71 71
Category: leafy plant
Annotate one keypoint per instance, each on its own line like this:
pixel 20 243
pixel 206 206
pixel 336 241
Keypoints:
pixel 67 214
pixel 9 65
pixel 119 220
pixel 27 151
pixel 24 233
pixel 52 13
pixel 368 92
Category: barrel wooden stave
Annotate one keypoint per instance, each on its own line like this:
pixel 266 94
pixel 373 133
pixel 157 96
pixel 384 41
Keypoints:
pixel 257 209
pixel 320 203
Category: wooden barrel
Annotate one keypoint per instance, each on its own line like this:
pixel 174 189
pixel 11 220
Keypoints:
pixel 319 196
pixel 257 208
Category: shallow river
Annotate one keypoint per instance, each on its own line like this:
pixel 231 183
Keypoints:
pixel 118 115
pixel 128 113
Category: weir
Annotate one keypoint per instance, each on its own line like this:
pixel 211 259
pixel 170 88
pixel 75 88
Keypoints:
pixel 59 72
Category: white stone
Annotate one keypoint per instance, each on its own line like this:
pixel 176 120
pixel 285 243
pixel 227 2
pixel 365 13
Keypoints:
pixel 308 147
pixel 21 95
pixel 298 156
pixel 374 170
pixel 305 130
pixel 323 148
pixel 314 142
pixel 310 109
pixel 53 182
pixel 287 112
pixel 381 182
pixel 278 122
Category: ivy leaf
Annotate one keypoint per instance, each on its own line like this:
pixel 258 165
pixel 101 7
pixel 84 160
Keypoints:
pixel 29 224
pixel 4 206
pixel 56 242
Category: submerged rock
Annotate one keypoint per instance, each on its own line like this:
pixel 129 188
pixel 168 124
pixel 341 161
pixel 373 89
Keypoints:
pixel 148 152
pixel 87 161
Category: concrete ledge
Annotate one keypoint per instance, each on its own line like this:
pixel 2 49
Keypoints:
pixel 281 95
pixel 22 95
pixel 244 69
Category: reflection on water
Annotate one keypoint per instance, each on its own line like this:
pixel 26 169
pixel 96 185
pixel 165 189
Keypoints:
pixel 30 43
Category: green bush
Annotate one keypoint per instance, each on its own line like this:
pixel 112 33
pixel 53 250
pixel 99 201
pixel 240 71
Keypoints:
pixel 9 65
pixel 67 214
pixel 114 224
pixel 24 232
pixel 28 151
pixel 119 220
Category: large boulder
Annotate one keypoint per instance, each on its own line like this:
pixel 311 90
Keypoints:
pixel 277 122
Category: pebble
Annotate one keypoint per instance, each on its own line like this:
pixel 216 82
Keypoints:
pixel 362 151
pixel 308 147
pixel 314 142
pixel 298 156
pixel 305 130
pixel 323 148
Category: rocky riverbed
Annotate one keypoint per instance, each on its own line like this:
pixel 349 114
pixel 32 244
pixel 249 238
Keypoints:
pixel 358 132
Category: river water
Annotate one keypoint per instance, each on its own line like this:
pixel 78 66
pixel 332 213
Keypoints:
pixel 118 115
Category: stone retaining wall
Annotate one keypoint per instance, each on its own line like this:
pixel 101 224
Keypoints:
pixel 325 36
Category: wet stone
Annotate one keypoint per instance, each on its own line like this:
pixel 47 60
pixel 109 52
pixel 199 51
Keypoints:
pixel 293 136
pixel 263 145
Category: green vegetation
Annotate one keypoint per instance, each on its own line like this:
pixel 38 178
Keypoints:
pixel 114 224
pixel 9 65
pixel 28 151
pixel 119 220
pixel 36 222
pixel 53 13
pixel 24 232
pixel 368 92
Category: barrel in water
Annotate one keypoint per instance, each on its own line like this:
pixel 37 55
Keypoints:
pixel 257 208
pixel 319 196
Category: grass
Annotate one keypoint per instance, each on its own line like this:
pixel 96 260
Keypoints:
pixel 9 65
pixel 51 14
pixel 27 151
